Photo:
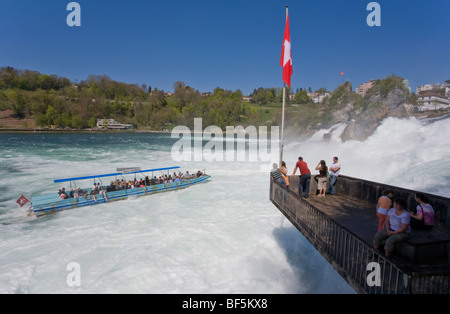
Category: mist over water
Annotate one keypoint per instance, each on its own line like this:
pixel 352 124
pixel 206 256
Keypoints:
pixel 408 153
pixel 223 236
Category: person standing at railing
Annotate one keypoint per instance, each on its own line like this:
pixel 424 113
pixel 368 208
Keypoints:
pixel 335 168
pixel 323 178
pixel 283 170
pixel 305 177
pixel 397 228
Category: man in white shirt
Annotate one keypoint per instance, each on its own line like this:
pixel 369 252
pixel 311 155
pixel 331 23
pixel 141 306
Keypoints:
pixel 335 168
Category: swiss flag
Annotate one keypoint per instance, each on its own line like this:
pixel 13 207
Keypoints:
pixel 286 56
pixel 342 73
pixel 22 201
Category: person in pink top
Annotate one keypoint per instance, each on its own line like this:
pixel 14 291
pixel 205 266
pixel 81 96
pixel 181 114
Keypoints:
pixel 424 216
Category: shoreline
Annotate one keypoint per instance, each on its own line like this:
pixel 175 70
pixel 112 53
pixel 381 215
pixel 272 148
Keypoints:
pixel 79 131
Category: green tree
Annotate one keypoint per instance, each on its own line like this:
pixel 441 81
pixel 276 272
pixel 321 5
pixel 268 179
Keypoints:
pixel 51 115
pixel 92 122
pixel 46 82
pixel 77 122
pixel 302 97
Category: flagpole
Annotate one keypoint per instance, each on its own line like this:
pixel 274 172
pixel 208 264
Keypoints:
pixel 282 124
pixel 282 115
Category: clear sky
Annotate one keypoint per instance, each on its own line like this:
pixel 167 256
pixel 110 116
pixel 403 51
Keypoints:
pixel 232 44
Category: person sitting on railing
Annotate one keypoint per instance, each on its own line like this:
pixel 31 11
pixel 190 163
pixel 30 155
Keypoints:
pixel 276 175
pixel 284 171
pixel 397 228
pixel 424 217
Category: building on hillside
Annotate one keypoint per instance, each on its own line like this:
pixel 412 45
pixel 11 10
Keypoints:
pixel 364 87
pixel 318 97
pixel 111 124
pixel 447 88
pixel 406 84
pixel 427 87
pixel 433 100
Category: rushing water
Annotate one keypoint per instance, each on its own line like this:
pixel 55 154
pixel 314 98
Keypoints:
pixel 223 236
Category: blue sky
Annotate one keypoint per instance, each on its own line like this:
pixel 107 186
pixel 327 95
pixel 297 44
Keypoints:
pixel 228 43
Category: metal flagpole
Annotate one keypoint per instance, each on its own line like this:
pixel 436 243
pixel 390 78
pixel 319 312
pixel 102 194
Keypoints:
pixel 282 126
pixel 282 115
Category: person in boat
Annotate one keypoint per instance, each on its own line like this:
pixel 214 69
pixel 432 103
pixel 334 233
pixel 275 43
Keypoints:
pixel 93 193
pixel 103 192
pixel 199 173
pixel 62 193
pixel 397 228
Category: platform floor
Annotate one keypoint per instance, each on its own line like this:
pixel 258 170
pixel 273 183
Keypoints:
pixel 359 217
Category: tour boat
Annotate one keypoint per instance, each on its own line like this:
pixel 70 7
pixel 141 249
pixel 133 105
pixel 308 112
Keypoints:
pixel 113 190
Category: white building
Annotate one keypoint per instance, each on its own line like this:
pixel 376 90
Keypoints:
pixel 433 100
pixel 318 97
pixel 427 87
pixel 111 124
pixel 447 88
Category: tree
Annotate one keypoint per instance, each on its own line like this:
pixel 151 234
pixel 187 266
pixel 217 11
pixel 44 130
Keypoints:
pixel 46 82
pixel 302 97
pixel 51 115
pixel 77 122
pixel 18 103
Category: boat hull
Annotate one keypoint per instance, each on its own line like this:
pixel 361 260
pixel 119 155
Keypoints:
pixel 50 203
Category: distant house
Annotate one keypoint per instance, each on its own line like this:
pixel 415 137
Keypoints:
pixel 433 100
pixel 111 124
pixel 318 97
pixel 247 98
pixel 427 87
pixel 364 87
pixel 206 94
pixel 447 88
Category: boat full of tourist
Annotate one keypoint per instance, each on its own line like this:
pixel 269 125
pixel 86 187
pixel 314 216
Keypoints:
pixel 120 185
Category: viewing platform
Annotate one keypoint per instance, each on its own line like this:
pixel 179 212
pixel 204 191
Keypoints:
pixel 342 227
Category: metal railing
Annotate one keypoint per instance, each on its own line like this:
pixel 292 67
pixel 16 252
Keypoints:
pixel 365 269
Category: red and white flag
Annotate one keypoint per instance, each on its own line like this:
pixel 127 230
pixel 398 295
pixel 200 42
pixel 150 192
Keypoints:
pixel 286 56
pixel 22 201
pixel 342 73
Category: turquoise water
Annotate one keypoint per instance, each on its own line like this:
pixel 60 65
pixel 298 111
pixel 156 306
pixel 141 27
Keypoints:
pixel 223 236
